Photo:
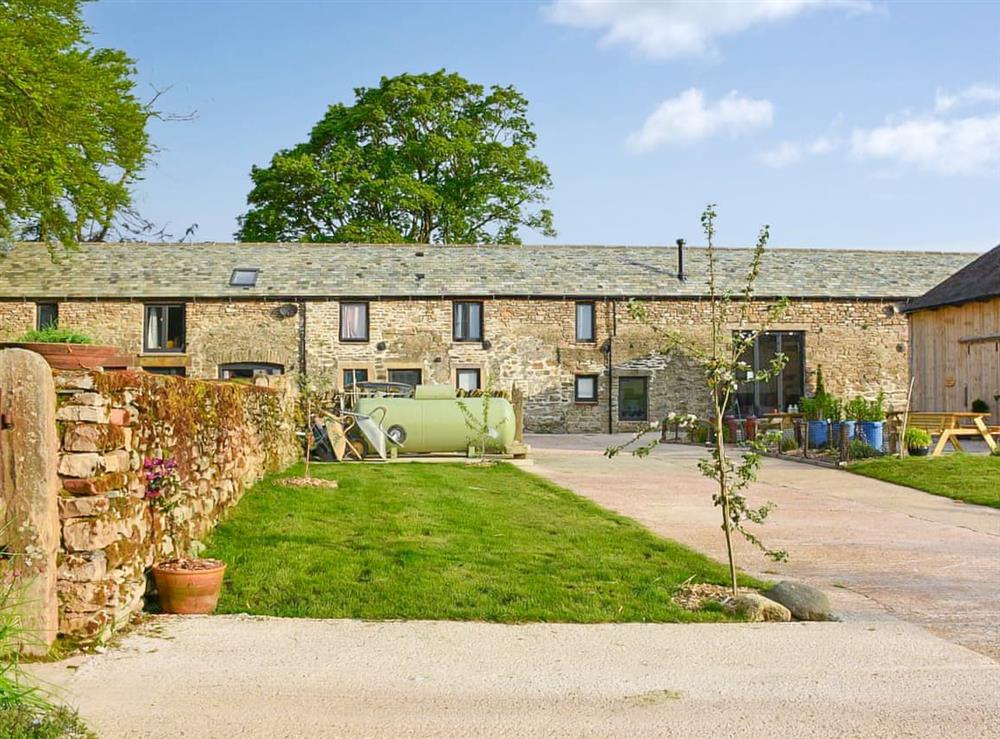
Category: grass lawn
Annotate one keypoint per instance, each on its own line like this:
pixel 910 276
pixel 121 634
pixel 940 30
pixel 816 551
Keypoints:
pixel 972 478
pixel 447 541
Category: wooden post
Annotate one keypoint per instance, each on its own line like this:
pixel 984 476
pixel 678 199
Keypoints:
pixel 517 400
pixel 901 441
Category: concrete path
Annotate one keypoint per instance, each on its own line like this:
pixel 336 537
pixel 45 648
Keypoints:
pixel 232 676
pixel 879 550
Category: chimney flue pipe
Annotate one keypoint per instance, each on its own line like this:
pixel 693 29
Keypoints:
pixel 680 260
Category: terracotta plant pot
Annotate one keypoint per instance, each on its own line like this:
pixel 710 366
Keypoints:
pixel 75 356
pixel 189 590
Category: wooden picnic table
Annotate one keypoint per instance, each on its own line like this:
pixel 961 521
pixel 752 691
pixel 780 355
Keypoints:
pixel 782 420
pixel 949 426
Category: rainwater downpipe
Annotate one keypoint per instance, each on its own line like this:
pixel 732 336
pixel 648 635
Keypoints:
pixel 302 337
pixel 611 384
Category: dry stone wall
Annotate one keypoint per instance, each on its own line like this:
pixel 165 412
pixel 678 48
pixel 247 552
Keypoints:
pixel 223 436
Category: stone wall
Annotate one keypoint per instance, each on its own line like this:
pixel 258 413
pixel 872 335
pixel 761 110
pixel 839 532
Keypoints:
pixel 220 332
pixel 217 332
pixel 531 344
pixel 15 319
pixel 223 436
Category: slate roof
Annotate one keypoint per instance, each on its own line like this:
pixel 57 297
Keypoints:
pixel 287 271
pixel 976 281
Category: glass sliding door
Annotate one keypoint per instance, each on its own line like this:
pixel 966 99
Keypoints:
pixel 756 396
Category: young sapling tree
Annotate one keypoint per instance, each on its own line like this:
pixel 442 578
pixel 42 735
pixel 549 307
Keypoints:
pixel 724 364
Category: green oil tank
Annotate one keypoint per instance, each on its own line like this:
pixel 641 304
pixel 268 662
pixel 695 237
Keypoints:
pixel 432 420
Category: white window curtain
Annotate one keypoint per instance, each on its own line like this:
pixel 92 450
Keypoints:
pixel 586 388
pixel 153 321
pixel 468 321
pixel 584 321
pixel 354 321
pixel 468 380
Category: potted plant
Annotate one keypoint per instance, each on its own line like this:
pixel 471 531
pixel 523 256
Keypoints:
pixel 854 411
pixel 64 348
pixel 918 442
pixel 871 419
pixel 185 585
pixel 816 411
pixel 980 406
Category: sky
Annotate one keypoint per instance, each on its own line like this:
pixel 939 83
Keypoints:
pixel 840 123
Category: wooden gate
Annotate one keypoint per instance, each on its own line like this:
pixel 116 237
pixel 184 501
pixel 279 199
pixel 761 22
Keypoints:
pixel 29 517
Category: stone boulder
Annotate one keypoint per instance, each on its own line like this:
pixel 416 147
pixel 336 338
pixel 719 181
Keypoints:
pixel 755 607
pixel 805 602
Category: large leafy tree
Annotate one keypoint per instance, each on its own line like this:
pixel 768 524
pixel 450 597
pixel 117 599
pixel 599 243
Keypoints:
pixel 426 158
pixel 72 130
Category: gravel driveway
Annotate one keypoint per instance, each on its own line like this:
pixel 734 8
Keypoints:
pixel 241 676
pixel 898 565
pixel 879 550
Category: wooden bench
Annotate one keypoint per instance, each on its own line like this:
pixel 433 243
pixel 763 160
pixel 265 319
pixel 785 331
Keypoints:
pixel 949 427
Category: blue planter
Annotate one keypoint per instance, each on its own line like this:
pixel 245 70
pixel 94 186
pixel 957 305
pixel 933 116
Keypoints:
pixel 871 433
pixel 835 430
pixel 818 434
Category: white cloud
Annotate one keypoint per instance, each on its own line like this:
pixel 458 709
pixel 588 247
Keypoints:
pixel 792 152
pixel 945 101
pixel 669 28
pixel 687 118
pixel 945 146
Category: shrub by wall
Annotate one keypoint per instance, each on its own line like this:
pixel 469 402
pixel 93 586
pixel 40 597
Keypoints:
pixel 223 436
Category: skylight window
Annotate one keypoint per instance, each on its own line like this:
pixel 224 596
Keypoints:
pixel 244 277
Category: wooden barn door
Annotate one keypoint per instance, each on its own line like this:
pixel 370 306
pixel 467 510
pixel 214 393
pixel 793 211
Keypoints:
pixel 983 366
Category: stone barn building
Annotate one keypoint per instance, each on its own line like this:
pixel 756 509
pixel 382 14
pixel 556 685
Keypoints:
pixel 955 339
pixel 554 320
